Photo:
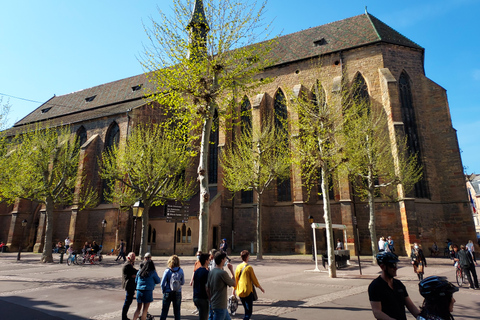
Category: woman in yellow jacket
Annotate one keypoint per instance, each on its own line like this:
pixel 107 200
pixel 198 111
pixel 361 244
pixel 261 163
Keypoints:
pixel 245 279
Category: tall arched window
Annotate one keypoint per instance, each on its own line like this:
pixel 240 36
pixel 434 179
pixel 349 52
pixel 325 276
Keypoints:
pixel 111 139
pixel 81 135
pixel 360 91
pixel 246 124
pixel 213 151
pixel 179 235
pixel 184 233
pixel 410 126
pixel 284 192
pixel 189 235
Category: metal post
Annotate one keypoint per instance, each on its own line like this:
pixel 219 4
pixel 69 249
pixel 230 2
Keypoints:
pixel 134 232
pixel 315 247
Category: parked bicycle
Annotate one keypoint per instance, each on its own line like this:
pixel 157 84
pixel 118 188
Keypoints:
pixel 461 276
pixel 92 257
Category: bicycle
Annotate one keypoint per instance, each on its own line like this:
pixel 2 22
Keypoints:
pixel 72 259
pixel 461 276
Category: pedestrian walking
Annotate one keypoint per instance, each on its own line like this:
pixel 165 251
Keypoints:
pixel 246 281
pixel 172 281
pixel 419 262
pixel 466 262
pixel 217 283
pixel 200 296
pixel 439 301
pixel 388 296
pixel 121 251
pixel 146 280
pixel 381 244
pixel 195 268
pixel 129 274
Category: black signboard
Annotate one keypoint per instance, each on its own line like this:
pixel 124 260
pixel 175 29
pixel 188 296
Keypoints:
pixel 177 211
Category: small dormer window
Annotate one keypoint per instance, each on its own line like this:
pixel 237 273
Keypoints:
pixel 46 110
pixel 319 43
pixel 137 87
pixel 90 99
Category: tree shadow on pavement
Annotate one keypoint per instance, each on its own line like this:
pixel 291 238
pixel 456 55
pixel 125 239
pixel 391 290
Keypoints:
pixel 14 307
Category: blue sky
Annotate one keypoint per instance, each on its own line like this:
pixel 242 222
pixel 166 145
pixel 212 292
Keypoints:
pixel 56 47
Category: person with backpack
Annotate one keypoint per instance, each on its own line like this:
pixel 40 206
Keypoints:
pixel 146 280
pixel 172 281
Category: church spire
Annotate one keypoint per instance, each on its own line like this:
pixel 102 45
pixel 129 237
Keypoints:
pixel 198 29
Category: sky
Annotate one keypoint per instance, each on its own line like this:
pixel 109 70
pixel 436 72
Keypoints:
pixel 55 47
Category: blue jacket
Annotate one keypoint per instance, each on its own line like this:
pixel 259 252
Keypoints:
pixel 166 279
pixel 147 283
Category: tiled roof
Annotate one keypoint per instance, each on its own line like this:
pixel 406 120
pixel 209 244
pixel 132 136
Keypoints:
pixel 337 36
pixel 118 96
pixel 107 97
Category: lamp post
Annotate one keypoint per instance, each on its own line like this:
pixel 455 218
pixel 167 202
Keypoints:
pixel 24 224
pixel 104 225
pixel 137 211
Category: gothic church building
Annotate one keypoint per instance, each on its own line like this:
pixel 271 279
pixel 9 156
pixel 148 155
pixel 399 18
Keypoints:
pixel 360 48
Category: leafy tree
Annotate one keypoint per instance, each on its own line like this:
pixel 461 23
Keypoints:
pixel 318 151
pixel 378 161
pixel 197 61
pixel 255 159
pixel 42 166
pixel 150 168
pixel 4 110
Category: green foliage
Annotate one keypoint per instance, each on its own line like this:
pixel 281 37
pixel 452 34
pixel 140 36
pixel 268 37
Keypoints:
pixel 150 167
pixel 373 164
pixel 4 110
pixel 43 164
pixel 256 158
pixel 196 62
pixel 319 142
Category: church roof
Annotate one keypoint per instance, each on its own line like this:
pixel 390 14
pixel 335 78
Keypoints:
pixel 119 96
pixel 341 35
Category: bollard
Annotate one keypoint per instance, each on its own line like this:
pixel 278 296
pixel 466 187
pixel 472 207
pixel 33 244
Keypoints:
pixel 61 257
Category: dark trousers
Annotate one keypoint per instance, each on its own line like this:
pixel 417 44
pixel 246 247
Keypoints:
pixel 203 307
pixel 130 294
pixel 470 271
pixel 121 254
pixel 247 303
pixel 176 299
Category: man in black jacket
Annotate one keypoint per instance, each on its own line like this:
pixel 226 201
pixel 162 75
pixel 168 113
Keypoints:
pixel 128 283
pixel 468 266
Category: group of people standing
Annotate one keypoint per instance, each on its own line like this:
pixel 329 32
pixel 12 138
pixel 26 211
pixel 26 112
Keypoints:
pixel 210 285
pixel 386 244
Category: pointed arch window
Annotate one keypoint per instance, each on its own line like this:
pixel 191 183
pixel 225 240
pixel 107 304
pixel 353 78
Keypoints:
pixel 213 151
pixel 81 135
pixel 410 126
pixel 284 192
pixel 184 233
pixel 246 124
pixel 189 235
pixel 179 235
pixel 112 139
pixel 360 91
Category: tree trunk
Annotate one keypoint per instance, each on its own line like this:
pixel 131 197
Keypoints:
pixel 144 238
pixel 259 227
pixel 203 181
pixel 371 223
pixel 47 247
pixel 327 216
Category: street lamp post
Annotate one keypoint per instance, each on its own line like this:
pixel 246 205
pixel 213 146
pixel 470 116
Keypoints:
pixel 137 211
pixel 24 224
pixel 104 225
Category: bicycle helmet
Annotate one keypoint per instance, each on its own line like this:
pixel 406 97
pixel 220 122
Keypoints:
pixel 385 257
pixel 435 287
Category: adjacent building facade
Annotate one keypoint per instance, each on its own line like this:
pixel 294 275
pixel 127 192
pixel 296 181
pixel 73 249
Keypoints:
pixel 361 48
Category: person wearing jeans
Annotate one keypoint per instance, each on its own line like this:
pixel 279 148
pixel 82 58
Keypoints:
pixel 217 283
pixel 170 296
pixel 245 279
pixel 199 281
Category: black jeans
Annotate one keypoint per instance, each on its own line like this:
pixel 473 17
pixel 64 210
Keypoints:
pixel 470 271
pixel 247 303
pixel 130 294
pixel 203 307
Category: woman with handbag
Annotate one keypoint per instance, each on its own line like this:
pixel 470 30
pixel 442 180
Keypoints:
pixel 246 281
pixel 418 261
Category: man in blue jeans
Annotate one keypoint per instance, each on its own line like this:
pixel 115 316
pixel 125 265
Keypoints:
pixel 217 283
